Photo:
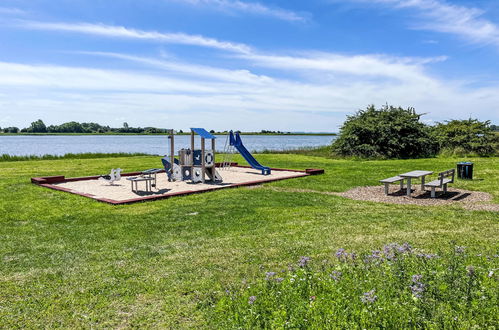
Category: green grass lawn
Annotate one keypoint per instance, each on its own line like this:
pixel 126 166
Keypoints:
pixel 69 261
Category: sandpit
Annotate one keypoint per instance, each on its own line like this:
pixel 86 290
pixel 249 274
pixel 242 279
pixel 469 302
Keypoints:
pixel 472 200
pixel 120 192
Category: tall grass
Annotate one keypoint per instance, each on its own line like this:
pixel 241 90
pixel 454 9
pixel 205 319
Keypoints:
pixel 395 287
pixel 88 155
pixel 320 151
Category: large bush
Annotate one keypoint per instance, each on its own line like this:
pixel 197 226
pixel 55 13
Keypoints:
pixel 388 132
pixel 466 137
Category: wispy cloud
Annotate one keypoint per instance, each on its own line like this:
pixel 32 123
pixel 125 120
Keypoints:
pixel 361 65
pixel 11 11
pixel 249 7
pixel 127 33
pixel 190 69
pixel 442 16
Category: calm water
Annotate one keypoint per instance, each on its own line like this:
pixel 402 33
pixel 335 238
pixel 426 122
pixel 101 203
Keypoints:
pixel 156 145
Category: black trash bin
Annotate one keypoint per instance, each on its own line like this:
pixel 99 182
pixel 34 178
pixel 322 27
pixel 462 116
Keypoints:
pixel 465 170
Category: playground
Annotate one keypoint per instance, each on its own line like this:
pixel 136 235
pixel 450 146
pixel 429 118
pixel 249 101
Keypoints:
pixel 191 171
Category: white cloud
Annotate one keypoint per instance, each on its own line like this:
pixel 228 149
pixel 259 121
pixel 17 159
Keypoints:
pixel 11 11
pixel 190 69
pixel 217 97
pixel 126 33
pixel 249 7
pixel 441 16
pixel 405 69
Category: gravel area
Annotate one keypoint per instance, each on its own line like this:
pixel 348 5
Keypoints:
pixel 472 200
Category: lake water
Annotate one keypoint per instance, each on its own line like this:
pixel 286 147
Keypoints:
pixel 152 144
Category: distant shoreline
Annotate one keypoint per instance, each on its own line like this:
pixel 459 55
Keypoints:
pixel 153 134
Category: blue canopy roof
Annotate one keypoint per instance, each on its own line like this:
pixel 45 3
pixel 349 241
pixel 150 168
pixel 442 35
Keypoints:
pixel 203 133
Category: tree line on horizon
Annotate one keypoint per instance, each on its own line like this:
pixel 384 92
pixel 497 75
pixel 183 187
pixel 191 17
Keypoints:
pixel 39 126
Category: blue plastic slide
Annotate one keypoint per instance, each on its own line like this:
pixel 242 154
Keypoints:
pixel 238 144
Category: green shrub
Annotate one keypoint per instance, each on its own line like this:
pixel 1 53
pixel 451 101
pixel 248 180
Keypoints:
pixel 395 287
pixel 388 132
pixel 466 137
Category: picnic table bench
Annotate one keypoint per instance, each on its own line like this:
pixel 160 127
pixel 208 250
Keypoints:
pixel 406 176
pixel 441 182
pixel 415 175
pixel 147 176
pixel 393 179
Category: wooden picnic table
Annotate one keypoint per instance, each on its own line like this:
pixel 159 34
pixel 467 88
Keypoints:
pixel 414 175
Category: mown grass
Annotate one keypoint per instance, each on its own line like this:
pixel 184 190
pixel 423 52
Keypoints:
pixel 68 261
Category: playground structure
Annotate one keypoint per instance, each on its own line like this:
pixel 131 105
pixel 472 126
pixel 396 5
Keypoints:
pixel 192 164
pixel 236 142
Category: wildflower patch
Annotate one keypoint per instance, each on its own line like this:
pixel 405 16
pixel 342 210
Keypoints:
pixel 396 286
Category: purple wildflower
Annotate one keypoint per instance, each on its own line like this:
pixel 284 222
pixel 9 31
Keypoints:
pixel 406 247
pixel 460 249
pixel 279 279
pixel 269 275
pixel 417 287
pixel 369 297
pixel 304 261
pixel 336 275
pixel 376 254
pixel 389 249
pixel 417 278
pixel 251 300
pixel 341 253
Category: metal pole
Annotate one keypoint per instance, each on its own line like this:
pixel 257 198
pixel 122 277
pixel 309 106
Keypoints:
pixel 192 141
pixel 203 169
pixel 213 150
pixel 172 152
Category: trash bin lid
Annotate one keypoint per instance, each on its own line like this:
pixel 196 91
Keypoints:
pixel 465 163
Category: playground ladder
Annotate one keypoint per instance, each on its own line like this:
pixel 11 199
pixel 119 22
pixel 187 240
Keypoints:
pixel 229 151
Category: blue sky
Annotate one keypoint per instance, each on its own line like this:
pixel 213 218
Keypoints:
pixel 240 64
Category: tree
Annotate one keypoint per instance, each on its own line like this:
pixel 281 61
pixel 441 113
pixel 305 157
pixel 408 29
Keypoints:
pixel 37 127
pixel 11 130
pixel 71 127
pixel 462 137
pixel 212 131
pixel 389 132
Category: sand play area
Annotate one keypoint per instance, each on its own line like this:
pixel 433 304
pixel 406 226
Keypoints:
pixel 121 191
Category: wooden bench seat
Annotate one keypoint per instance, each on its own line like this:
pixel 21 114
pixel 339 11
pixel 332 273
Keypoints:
pixel 393 179
pixel 441 182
